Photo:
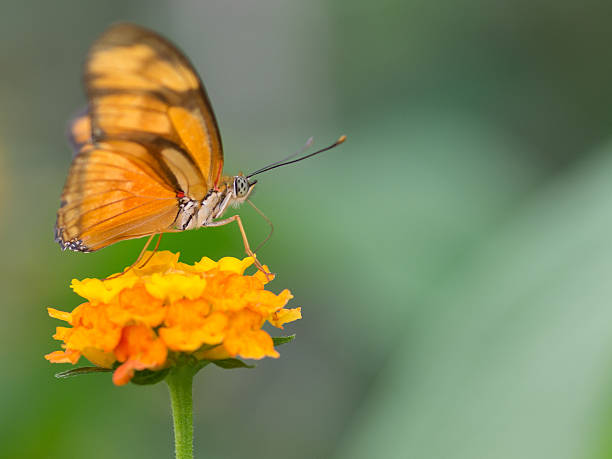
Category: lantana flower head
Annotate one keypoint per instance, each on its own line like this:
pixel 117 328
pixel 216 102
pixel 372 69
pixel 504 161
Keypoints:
pixel 149 318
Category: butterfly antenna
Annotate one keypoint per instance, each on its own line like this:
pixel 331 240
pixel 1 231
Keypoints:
pixel 286 161
pixel 269 223
pixel 306 146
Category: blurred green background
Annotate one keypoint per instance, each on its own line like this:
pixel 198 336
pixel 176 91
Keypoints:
pixel 452 259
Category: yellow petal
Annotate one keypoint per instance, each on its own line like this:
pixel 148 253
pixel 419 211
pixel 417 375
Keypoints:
pixel 235 265
pixel 98 357
pixel 252 344
pixel 192 335
pixel 102 290
pixel 284 316
pixel 160 262
pixel 61 315
pixel 175 286
pixel 262 277
pixel 205 264
pixel 69 356
pixel 215 353
pixel 62 333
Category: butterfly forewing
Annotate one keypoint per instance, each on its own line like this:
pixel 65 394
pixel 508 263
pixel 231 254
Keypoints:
pixel 148 137
pixel 140 85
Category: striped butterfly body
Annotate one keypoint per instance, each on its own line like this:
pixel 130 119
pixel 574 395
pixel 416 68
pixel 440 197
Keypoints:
pixel 149 158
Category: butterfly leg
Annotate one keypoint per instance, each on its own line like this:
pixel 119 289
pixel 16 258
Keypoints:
pixel 142 252
pixel 261 244
pixel 245 241
pixel 152 252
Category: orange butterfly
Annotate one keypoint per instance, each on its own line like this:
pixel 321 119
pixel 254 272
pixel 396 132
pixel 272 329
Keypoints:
pixel 149 156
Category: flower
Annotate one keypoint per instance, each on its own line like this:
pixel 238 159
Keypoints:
pixel 148 317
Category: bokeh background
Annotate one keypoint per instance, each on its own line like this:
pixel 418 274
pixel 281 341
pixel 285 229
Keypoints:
pixel 453 259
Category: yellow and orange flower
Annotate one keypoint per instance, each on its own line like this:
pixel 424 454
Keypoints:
pixel 146 317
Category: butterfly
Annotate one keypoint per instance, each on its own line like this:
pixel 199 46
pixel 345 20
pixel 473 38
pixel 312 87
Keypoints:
pixel 148 152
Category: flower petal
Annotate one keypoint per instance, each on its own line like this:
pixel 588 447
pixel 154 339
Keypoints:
pixel 99 358
pixel 137 305
pixel 142 346
pixel 245 337
pixel 283 316
pixel 61 315
pixel 124 373
pixel 102 291
pixel 69 356
pixel 262 277
pixel 175 286
pixel 252 344
pixel 205 264
pixel 189 336
pixel 161 262
pixel 235 265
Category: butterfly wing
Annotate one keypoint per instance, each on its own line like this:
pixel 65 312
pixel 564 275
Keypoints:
pixel 114 191
pixel 79 133
pixel 142 88
pixel 148 135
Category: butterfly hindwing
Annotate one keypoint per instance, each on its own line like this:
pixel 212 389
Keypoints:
pixel 79 131
pixel 113 194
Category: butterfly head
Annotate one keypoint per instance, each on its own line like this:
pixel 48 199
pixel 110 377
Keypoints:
pixel 241 188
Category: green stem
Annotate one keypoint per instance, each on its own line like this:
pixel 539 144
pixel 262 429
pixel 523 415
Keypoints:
pixel 179 383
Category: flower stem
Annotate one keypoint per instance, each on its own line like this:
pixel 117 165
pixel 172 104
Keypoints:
pixel 180 381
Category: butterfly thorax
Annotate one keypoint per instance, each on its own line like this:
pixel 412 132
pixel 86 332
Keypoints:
pixel 195 213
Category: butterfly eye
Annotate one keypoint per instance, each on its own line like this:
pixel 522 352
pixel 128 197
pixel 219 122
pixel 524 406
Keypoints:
pixel 241 186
